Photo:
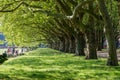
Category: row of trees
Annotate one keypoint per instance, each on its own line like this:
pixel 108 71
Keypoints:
pixel 66 25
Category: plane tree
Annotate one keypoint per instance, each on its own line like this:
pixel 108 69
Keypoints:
pixel 78 16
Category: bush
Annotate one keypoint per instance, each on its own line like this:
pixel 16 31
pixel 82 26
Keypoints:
pixel 3 57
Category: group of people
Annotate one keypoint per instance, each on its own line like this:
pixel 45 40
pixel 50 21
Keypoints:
pixel 12 51
pixel 105 43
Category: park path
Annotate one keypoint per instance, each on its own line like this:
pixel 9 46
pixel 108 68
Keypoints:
pixel 104 54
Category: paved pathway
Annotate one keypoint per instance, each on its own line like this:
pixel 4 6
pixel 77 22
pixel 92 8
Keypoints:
pixel 104 54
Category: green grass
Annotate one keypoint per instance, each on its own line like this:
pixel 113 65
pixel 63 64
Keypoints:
pixel 48 64
pixel 2 50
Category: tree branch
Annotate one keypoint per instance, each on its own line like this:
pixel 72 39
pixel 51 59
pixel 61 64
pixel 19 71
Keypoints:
pixel 21 3
pixel 77 8
pixel 12 10
pixel 7 5
pixel 32 6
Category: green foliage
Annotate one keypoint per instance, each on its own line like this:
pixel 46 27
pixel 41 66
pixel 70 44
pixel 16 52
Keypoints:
pixel 50 64
pixel 32 22
pixel 22 26
pixel 1 42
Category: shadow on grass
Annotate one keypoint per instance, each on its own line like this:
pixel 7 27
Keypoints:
pixel 4 76
pixel 55 66
pixel 39 75
pixel 68 74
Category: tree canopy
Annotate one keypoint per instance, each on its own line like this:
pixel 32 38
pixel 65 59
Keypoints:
pixel 65 25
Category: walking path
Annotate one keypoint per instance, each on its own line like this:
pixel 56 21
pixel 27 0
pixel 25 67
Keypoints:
pixel 104 54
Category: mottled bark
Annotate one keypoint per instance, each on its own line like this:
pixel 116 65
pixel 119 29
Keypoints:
pixel 90 36
pixel 119 11
pixel 66 44
pixel 119 7
pixel 72 45
pixel 57 45
pixel 99 35
pixel 112 59
pixel 90 45
pixel 80 44
pixel 62 44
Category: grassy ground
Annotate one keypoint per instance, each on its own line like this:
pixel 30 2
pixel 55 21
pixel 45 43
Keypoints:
pixel 48 64
pixel 2 50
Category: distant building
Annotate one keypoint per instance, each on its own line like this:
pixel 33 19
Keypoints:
pixel 2 39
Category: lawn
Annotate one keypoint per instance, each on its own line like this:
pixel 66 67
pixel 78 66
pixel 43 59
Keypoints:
pixel 48 64
pixel 2 50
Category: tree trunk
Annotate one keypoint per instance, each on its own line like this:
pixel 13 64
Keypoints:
pixel 91 45
pixel 72 45
pixel 57 45
pixel 90 36
pixel 112 59
pixel 119 7
pixel 62 44
pixel 66 44
pixel 99 35
pixel 80 44
pixel 53 45
pixel 50 44
pixel 119 11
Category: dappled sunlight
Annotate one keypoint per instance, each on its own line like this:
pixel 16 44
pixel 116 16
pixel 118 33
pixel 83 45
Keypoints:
pixel 59 39
pixel 56 66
